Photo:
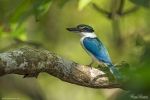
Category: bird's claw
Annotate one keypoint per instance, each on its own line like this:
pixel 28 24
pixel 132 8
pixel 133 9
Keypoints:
pixel 99 66
pixel 89 66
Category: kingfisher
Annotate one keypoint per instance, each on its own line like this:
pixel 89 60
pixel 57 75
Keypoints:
pixel 94 47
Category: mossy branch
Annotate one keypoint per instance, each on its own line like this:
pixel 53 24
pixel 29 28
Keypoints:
pixel 30 62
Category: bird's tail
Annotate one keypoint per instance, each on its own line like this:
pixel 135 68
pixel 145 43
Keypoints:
pixel 114 71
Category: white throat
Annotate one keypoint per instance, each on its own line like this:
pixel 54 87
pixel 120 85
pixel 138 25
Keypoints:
pixel 86 34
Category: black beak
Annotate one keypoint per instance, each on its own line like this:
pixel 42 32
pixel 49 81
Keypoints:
pixel 73 29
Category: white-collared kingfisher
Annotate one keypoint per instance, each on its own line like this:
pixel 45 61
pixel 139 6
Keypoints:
pixel 94 47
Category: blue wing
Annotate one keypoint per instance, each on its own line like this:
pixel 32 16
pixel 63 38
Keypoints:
pixel 96 47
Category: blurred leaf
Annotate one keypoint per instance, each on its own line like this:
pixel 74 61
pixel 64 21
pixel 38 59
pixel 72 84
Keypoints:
pixel 41 7
pixel 20 10
pixel 144 3
pixel 24 16
pixel 19 33
pixel 139 40
pixel 62 2
pixel 83 3
pixel 18 29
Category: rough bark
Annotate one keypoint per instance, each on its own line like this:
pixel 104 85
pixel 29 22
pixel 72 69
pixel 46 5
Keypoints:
pixel 30 62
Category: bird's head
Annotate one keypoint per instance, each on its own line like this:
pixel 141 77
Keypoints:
pixel 83 30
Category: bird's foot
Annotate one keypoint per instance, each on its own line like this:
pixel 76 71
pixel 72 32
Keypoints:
pixel 99 66
pixel 89 66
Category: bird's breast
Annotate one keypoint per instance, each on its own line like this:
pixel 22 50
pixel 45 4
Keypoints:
pixel 89 53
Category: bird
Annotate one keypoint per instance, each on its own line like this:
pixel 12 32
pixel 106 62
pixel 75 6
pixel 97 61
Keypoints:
pixel 94 47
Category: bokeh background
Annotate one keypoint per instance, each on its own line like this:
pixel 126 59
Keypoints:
pixel 122 25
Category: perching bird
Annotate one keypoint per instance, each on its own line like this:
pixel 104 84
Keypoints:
pixel 94 47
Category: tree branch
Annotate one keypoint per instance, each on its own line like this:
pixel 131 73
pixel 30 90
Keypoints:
pixel 31 62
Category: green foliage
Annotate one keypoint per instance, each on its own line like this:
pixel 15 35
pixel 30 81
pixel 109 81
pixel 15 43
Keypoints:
pixel 83 3
pixel 41 7
pixel 126 22
pixel 61 3
pixel 17 18
pixel 144 3
pixel 20 11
